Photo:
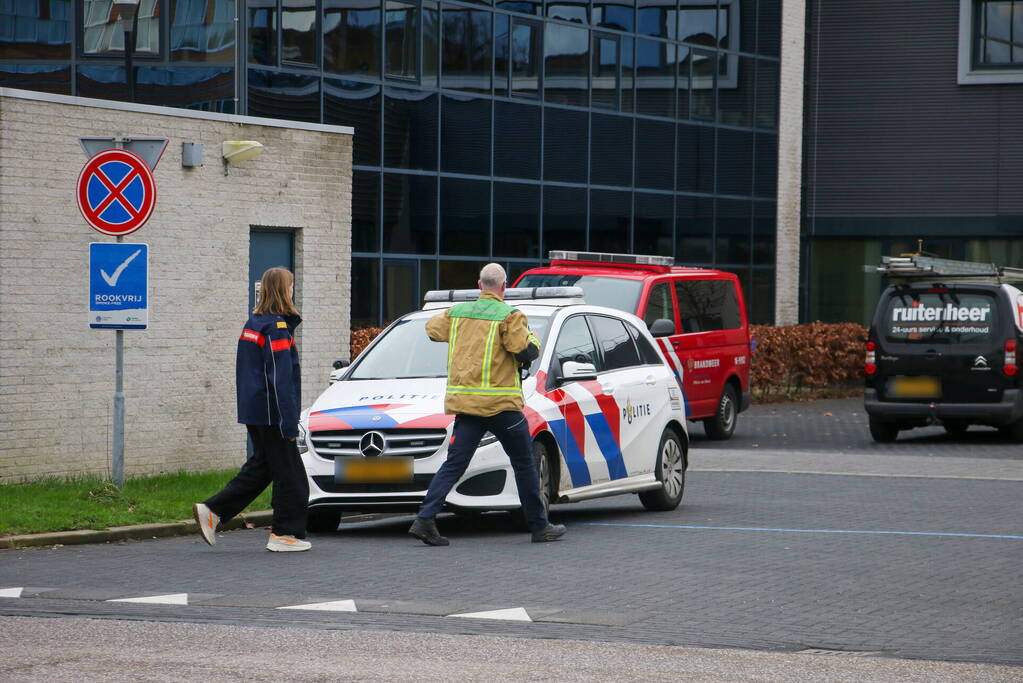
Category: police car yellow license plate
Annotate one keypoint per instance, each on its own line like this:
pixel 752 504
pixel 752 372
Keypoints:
pixel 377 470
pixel 915 387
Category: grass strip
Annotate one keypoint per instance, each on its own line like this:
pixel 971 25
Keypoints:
pixel 63 504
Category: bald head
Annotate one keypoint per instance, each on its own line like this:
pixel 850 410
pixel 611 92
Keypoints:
pixel 493 278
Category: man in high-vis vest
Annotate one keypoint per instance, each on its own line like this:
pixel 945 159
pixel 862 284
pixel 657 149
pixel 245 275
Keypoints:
pixel 487 342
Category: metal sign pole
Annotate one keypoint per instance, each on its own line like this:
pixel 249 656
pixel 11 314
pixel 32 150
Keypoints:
pixel 117 449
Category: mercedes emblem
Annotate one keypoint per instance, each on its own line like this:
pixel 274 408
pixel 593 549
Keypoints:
pixel 372 444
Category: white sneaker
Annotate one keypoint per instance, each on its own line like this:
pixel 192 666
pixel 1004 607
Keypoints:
pixel 287 544
pixel 207 521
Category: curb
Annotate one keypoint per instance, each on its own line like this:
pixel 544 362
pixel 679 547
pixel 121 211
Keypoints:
pixel 145 531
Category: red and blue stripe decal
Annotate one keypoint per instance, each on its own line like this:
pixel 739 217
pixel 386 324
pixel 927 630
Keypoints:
pixel 355 417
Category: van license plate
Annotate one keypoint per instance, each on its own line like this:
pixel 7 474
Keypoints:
pixel 377 470
pixel 915 387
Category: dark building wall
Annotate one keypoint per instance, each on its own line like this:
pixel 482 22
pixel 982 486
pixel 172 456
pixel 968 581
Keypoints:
pixel 890 133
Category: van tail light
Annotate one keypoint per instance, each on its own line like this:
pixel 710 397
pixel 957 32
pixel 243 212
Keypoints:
pixel 1010 368
pixel 870 359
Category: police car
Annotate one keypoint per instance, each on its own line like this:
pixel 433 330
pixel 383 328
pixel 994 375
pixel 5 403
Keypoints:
pixel 605 412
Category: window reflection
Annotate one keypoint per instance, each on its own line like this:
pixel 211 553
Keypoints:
pixel 734 231
pixel 365 292
pixel 524 6
pixel 569 10
pixel 350 103
pixel 516 140
pixel 616 15
pixel 410 214
pixel 35 29
pixel 564 218
pixel 694 230
pixel 655 78
pixel 565 144
pixel 204 88
pixel 655 155
pixel 431 43
pixel 526 56
pixel 351 37
pixel 566 64
pixel 465 133
pixel 55 78
pixel 365 209
pixel 202 30
pixel 605 71
pixel 699 25
pixel 516 220
pixel 410 125
pixel 653 231
pixel 400 34
pixel 284 96
pixel 656 18
pixel 695 169
pixel 502 44
pixel 702 79
pixel 610 221
pixel 465 217
pixel 298 31
pixel 735 162
pixel 767 95
pixel 465 58
pixel 102 33
pixel 611 150
pixel 263 32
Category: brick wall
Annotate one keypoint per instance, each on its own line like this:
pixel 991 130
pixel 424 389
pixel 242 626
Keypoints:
pixel 790 160
pixel 57 375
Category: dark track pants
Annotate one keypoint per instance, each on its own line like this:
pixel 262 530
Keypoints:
pixel 274 460
pixel 511 430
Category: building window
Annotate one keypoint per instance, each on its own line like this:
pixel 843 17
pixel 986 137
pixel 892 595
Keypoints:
pixel 401 30
pixel 606 63
pixel 103 35
pixel 998 34
pixel 990 41
pixel 298 32
pixel 465 53
pixel 351 37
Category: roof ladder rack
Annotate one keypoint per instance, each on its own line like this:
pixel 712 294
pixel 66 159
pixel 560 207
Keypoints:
pixel 917 267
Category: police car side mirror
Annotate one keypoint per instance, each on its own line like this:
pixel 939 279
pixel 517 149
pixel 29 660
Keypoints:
pixel 341 363
pixel 572 371
pixel 662 327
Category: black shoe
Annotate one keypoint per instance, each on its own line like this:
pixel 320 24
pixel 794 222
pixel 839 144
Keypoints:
pixel 426 531
pixel 551 532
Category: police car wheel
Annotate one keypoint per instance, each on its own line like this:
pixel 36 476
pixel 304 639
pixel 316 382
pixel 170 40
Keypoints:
pixel 543 468
pixel 722 425
pixel 882 431
pixel 320 521
pixel 671 472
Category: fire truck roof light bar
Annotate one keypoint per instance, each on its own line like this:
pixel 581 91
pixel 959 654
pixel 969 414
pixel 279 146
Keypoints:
pixel 510 294
pixel 600 257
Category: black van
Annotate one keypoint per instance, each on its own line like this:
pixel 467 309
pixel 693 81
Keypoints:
pixel 942 351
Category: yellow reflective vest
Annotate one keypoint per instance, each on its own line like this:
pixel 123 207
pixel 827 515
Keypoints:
pixel 483 337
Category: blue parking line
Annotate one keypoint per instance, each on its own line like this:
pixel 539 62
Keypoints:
pixel 805 531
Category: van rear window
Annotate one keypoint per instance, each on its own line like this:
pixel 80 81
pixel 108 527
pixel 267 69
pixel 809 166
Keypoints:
pixel 940 317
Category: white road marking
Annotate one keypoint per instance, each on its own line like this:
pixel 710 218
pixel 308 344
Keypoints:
pixel 853 474
pixel 332 606
pixel 171 599
pixel 512 614
pixel 10 592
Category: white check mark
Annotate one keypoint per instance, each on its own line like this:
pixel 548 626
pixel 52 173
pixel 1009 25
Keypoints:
pixel 112 279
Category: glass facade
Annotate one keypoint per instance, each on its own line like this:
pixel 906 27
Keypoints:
pixel 494 130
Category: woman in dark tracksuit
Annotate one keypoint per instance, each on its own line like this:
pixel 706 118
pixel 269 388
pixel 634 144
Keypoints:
pixel 269 400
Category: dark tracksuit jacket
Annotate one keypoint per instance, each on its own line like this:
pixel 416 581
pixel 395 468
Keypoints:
pixel 267 373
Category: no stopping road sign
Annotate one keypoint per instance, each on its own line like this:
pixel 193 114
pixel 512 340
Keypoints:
pixel 116 192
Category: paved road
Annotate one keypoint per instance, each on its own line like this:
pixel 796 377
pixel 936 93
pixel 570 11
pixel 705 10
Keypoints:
pixel 908 550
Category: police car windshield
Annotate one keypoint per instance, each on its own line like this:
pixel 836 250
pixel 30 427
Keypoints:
pixel 939 317
pixel 405 352
pixel 612 292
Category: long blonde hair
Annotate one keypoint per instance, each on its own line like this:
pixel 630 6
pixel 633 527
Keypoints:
pixel 275 293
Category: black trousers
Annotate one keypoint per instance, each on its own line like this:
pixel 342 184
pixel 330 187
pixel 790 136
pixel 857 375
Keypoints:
pixel 274 460
pixel 512 431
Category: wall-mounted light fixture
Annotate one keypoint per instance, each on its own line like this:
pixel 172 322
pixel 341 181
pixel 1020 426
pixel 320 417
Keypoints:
pixel 236 151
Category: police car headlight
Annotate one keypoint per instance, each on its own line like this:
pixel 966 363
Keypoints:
pixel 301 441
pixel 487 439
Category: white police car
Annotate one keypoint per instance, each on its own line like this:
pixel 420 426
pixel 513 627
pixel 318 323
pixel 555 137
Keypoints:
pixel 605 412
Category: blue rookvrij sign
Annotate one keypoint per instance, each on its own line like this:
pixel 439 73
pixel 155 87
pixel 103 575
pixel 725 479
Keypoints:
pixel 118 286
